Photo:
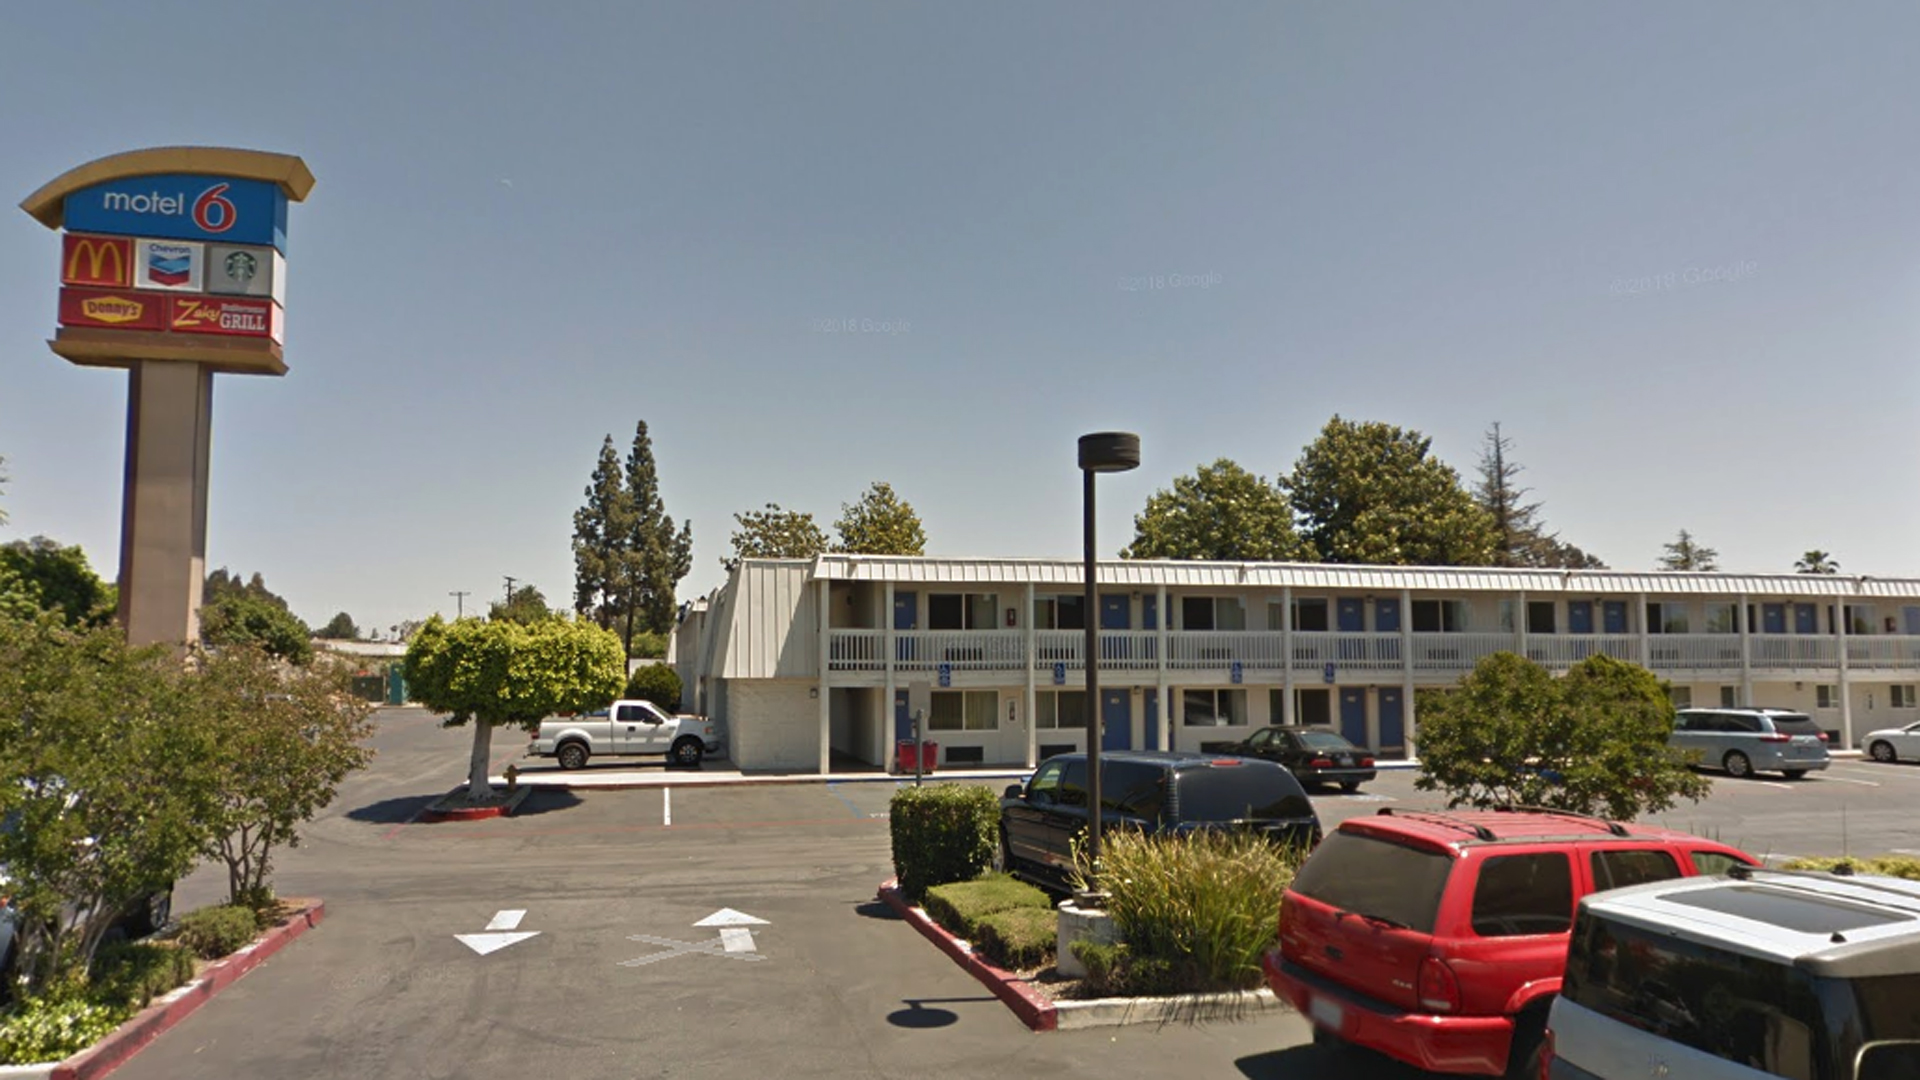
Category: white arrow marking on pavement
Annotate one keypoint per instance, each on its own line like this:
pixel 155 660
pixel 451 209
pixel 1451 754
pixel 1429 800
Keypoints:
pixel 726 916
pixel 736 939
pixel 495 940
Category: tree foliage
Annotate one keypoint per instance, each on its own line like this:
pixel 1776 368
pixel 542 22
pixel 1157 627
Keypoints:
pixel 340 628
pixel 1593 742
pixel 502 672
pixel 880 523
pixel 44 575
pixel 1684 553
pixel 665 553
pixel 281 742
pixel 629 557
pixel 247 620
pixel 1221 512
pixel 1370 492
pixel 1520 538
pixel 601 567
pixel 1816 562
pixel 525 604
pixel 657 683
pixel 774 533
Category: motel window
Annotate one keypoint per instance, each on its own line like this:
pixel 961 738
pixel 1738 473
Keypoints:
pixel 1214 708
pixel 965 710
pixel 1060 613
pixel 1540 617
pixel 1311 614
pixel 1667 618
pixel 1727 697
pixel 1722 619
pixel 1826 697
pixel 1682 696
pixel 961 611
pixel 1902 696
pixel 1311 707
pixel 1212 613
pixel 1276 615
pixel 1060 709
pixel 1436 616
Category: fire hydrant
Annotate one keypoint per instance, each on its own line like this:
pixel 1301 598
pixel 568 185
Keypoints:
pixel 513 778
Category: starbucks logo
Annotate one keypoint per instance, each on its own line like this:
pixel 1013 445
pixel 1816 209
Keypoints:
pixel 241 266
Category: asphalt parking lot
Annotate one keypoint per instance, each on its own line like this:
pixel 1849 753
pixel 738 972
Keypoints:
pixel 617 979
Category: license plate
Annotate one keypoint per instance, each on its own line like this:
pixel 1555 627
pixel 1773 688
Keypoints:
pixel 1343 759
pixel 1326 1013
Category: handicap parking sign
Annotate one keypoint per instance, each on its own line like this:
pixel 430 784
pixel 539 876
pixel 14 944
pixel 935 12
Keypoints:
pixel 1236 672
pixel 1328 674
pixel 946 674
pixel 1059 674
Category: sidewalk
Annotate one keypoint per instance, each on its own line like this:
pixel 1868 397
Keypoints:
pixel 645 773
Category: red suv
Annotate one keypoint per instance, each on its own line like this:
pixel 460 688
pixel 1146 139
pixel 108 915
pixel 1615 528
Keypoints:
pixel 1439 938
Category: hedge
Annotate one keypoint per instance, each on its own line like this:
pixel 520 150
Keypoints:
pixel 941 833
pixel 216 931
pixel 961 905
pixel 1020 938
pixel 657 683
pixel 1900 866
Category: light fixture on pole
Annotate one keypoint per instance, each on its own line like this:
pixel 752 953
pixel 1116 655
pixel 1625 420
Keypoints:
pixel 1105 451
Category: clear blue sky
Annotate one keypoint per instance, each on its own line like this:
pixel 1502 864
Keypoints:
pixel 537 223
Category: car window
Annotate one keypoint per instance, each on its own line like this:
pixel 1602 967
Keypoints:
pixel 1714 862
pixel 1619 869
pixel 1133 788
pixel 1523 894
pixel 1795 725
pixel 1324 740
pixel 1045 785
pixel 1372 876
pixel 1261 739
pixel 1073 783
pixel 632 714
pixel 1889 1061
pixel 1745 723
pixel 1244 790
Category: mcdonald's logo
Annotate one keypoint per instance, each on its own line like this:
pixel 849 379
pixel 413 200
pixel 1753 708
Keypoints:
pixel 101 261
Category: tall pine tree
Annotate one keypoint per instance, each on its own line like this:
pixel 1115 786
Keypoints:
pixel 1519 536
pixel 660 554
pixel 601 531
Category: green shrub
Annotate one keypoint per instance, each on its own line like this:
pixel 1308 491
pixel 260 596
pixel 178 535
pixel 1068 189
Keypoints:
pixel 941 833
pixel 1197 911
pixel 1019 938
pixel 1105 964
pixel 50 1029
pixel 650 645
pixel 216 931
pixel 260 900
pixel 130 976
pixel 1900 866
pixel 959 906
pixel 657 683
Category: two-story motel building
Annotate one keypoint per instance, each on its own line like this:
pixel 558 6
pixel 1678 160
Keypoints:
pixel 800 658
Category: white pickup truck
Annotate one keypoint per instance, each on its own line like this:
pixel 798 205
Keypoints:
pixel 630 728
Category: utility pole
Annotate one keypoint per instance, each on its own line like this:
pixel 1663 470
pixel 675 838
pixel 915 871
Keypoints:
pixel 509 589
pixel 459 603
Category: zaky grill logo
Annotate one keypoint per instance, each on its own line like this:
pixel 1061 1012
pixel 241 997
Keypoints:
pixel 101 261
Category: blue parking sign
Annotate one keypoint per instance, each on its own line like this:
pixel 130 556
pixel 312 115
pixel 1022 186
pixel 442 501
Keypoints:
pixel 1328 673
pixel 1059 674
pixel 946 674
pixel 1236 672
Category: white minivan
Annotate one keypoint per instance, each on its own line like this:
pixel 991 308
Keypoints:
pixel 1742 976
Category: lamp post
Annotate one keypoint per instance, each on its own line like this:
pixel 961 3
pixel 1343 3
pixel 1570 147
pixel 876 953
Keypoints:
pixel 1105 451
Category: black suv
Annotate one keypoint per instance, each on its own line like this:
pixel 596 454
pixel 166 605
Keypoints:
pixel 1153 791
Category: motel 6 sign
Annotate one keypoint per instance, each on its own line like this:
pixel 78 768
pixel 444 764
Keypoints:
pixel 176 253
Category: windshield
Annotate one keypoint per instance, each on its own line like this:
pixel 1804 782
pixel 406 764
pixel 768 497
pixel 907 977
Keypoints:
pixel 1371 876
pixel 1795 725
pixel 1239 793
pixel 1324 740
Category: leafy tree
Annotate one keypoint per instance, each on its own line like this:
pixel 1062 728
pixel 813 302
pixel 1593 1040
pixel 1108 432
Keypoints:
pixel 101 778
pixel 881 523
pixel 664 554
pixel 501 672
pixel 1369 492
pixel 1221 512
pixel 524 605
pixel 50 577
pixel 774 533
pixel 657 683
pixel 648 645
pixel 601 531
pixel 628 555
pixel 1816 562
pixel 1519 536
pixel 404 630
pixel 221 585
pixel 340 628
pixel 280 744
pixel 246 618
pixel 1594 742
pixel 1684 554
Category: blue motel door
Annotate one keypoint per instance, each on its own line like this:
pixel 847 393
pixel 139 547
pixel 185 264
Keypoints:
pixel 1353 714
pixel 1116 720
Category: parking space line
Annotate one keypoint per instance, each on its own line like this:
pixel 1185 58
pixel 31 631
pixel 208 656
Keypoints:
pixel 666 806
pixel 1851 780
pixel 1773 783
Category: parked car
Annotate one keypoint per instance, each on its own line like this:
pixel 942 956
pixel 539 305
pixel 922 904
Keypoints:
pixel 1315 756
pixel 1759 973
pixel 1439 938
pixel 1153 791
pixel 634 728
pixel 1743 741
pixel 1893 744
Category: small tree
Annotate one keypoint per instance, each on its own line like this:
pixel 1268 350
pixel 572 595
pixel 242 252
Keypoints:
pixel 657 683
pixel 1685 554
pixel 1221 512
pixel 56 577
pixel 340 628
pixel 774 533
pixel 881 523
pixel 1593 742
pixel 1369 492
pixel 281 742
pixel 526 605
pixel 244 619
pixel 1816 562
pixel 500 672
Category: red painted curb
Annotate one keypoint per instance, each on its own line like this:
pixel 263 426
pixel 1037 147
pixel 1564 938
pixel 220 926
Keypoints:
pixel 1033 1009
pixel 134 1035
pixel 470 813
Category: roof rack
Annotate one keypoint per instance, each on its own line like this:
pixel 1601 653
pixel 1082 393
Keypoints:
pixel 1480 832
pixel 1614 827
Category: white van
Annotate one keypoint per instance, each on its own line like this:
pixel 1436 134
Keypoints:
pixel 1742 976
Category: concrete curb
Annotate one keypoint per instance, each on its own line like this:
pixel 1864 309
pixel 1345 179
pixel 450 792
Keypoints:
pixel 629 782
pixel 156 1019
pixel 1028 1004
pixel 443 810
pixel 1109 1012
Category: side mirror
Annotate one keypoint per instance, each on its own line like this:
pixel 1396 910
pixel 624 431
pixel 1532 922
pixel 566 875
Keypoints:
pixel 1016 791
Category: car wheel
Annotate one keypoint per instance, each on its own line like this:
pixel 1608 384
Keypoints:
pixel 1328 1042
pixel 1882 750
pixel 572 756
pixel 1529 1046
pixel 1737 764
pixel 1349 786
pixel 687 752
pixel 1002 855
pixel 1793 774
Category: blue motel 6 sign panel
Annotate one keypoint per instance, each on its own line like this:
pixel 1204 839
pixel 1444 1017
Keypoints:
pixel 179 206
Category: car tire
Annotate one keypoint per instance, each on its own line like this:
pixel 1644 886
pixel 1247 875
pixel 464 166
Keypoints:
pixel 572 755
pixel 1349 786
pixel 1883 751
pixel 1737 764
pixel 1003 855
pixel 1529 1046
pixel 688 752
pixel 1328 1043
pixel 1793 774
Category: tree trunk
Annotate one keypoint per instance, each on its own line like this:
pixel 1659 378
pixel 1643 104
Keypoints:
pixel 478 787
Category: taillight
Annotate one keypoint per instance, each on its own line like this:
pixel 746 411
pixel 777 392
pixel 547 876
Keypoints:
pixel 1439 990
pixel 1823 736
pixel 1776 737
pixel 1321 763
pixel 1366 763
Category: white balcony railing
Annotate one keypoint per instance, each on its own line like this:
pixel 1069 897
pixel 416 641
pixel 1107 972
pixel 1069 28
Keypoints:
pixel 1561 651
pixel 1457 652
pixel 1883 653
pixel 960 650
pixel 1313 650
pixel 1783 652
pixel 1694 652
pixel 1122 650
pixel 856 650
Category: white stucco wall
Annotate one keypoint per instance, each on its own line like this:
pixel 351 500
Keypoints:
pixel 773 724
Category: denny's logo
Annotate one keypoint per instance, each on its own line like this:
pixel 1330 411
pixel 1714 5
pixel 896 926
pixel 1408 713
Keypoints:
pixel 112 309
pixel 98 261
